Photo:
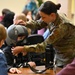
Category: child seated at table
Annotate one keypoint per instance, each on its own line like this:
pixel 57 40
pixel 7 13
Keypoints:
pixel 3 63
pixel 15 35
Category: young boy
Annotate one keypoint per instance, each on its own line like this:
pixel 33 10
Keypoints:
pixel 16 35
pixel 4 68
pixel 3 63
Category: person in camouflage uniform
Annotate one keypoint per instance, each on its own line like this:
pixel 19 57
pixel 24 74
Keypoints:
pixel 62 34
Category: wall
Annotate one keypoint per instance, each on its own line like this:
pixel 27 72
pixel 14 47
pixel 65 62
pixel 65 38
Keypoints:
pixel 66 7
pixel 18 5
pixel 14 5
pixel 74 13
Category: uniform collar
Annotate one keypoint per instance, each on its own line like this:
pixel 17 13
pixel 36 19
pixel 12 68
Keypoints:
pixel 58 20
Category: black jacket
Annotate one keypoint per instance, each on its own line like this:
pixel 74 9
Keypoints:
pixel 14 61
pixel 20 60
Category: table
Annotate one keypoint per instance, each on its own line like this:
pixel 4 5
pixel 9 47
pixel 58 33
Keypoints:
pixel 27 71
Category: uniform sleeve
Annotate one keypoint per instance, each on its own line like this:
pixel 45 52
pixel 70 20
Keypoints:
pixel 57 34
pixel 38 48
pixel 39 24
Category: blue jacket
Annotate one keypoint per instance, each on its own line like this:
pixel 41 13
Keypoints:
pixel 3 64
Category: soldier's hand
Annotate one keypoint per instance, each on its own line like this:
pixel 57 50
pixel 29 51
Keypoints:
pixel 18 49
pixel 20 22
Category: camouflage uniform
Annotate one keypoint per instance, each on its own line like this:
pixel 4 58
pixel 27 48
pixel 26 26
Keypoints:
pixel 62 37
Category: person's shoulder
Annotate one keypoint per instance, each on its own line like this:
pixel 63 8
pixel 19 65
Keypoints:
pixel 65 18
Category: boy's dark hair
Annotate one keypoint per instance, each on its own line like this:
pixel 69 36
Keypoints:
pixel 8 19
pixel 5 11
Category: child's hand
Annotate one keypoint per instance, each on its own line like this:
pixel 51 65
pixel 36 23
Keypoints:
pixel 32 64
pixel 14 70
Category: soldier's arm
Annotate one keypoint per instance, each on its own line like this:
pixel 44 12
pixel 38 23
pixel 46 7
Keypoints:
pixel 56 35
pixel 39 24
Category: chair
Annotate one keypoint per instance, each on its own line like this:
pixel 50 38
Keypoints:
pixel 34 39
pixel 36 57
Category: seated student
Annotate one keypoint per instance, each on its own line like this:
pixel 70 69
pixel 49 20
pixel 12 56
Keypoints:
pixel 3 63
pixel 34 56
pixel 8 19
pixel 22 17
pixel 4 68
pixel 4 12
pixel 19 33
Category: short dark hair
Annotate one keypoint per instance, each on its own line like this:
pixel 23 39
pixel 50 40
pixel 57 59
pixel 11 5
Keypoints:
pixel 49 7
pixel 8 19
pixel 5 11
